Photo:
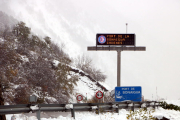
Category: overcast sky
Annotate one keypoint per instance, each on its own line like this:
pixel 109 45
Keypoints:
pixel 156 24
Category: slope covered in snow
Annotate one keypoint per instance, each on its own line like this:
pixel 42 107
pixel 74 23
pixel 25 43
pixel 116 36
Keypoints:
pixel 36 66
pixel 66 22
pixel 87 86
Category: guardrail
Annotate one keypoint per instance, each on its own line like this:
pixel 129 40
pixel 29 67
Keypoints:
pixel 112 106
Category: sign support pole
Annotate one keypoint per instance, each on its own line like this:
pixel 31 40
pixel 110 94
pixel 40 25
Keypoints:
pixel 118 68
pixel 118 49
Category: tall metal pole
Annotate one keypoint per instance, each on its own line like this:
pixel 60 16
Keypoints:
pixel 126 27
pixel 118 68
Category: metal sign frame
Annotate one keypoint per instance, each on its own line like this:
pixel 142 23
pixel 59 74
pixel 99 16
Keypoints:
pixel 119 49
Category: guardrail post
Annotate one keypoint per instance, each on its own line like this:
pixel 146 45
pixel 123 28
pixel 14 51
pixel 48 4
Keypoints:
pixel 147 105
pixel 72 113
pixel 141 104
pixel 158 105
pixel 98 109
pixel 133 107
pixel 111 107
pixel 127 105
pixel 117 109
pixel 38 113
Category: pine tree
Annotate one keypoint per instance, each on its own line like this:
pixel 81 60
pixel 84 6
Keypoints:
pixel 48 40
pixel 21 30
pixel 22 33
pixel 64 80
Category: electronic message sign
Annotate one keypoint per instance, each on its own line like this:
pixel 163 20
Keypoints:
pixel 115 39
pixel 132 93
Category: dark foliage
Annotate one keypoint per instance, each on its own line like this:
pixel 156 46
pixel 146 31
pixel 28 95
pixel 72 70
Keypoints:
pixel 170 106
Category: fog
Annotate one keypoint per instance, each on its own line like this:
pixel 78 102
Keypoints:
pixel 75 23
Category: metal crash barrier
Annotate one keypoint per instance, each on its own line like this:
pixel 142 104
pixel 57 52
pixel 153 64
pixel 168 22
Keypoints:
pixel 98 107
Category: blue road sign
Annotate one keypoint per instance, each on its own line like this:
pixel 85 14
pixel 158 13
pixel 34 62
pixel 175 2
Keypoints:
pixel 132 93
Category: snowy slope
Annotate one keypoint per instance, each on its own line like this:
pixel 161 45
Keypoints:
pixel 66 22
pixel 87 86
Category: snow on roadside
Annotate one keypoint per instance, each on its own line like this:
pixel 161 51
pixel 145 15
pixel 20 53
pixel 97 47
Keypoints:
pixel 159 113
pixel 79 116
pixel 175 102
pixel 170 114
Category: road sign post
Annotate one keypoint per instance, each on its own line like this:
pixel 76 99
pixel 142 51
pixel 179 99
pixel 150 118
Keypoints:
pixel 118 68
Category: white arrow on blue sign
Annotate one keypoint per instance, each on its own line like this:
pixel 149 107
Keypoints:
pixel 132 93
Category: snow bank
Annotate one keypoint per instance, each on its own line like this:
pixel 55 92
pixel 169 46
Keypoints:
pixel 175 102
pixel 79 116
pixel 159 113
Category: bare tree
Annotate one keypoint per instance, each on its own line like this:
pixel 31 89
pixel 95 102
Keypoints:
pixel 85 63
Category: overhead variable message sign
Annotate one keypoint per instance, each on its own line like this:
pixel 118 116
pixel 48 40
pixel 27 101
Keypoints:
pixel 115 39
pixel 132 93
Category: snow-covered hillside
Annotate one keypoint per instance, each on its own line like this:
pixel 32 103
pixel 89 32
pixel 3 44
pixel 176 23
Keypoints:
pixel 60 76
pixel 86 85
pixel 65 22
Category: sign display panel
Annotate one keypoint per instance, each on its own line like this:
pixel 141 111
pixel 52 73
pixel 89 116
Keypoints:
pixel 99 94
pixel 132 93
pixel 115 39
pixel 79 97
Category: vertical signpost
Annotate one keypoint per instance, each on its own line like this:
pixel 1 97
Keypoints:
pixel 116 42
pixel 119 68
